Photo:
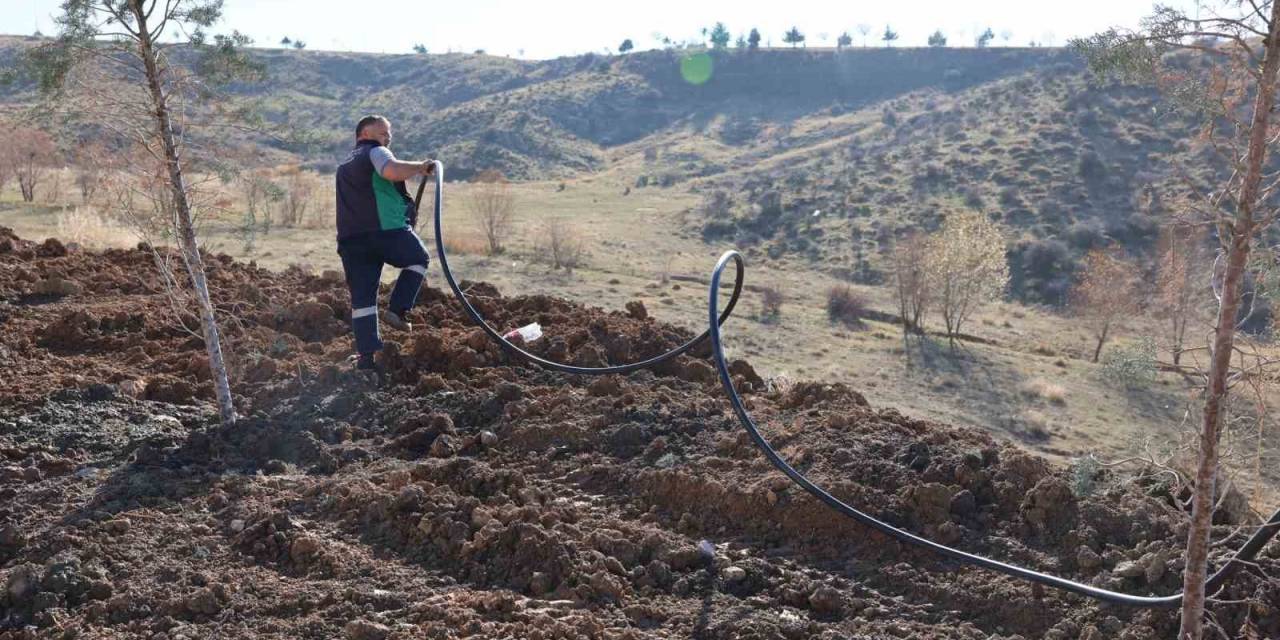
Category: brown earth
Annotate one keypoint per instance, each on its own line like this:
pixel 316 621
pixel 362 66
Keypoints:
pixel 468 496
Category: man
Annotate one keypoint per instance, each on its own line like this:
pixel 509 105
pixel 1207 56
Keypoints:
pixel 375 219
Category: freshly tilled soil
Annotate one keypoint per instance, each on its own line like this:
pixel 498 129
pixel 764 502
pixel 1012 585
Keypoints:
pixel 464 495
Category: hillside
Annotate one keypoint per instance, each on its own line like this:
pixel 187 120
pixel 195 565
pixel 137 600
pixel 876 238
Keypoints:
pixel 820 155
pixel 534 119
pixel 1067 166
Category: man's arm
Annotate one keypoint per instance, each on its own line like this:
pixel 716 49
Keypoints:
pixel 398 170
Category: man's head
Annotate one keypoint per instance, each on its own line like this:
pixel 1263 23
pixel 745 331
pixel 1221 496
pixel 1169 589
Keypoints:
pixel 374 128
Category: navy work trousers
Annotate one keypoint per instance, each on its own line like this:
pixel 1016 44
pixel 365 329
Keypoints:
pixel 362 260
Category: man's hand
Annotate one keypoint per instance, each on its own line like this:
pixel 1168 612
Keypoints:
pixel 428 168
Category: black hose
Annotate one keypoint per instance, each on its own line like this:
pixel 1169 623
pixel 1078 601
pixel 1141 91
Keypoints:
pixel 1246 553
pixel 715 319
pixel 542 362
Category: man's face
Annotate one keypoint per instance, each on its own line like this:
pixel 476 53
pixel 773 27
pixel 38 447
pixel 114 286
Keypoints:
pixel 380 131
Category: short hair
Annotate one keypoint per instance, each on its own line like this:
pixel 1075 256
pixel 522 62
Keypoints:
pixel 368 120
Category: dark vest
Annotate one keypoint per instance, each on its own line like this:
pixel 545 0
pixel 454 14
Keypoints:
pixel 367 202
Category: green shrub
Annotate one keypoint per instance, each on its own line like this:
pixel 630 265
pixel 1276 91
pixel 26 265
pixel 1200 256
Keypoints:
pixel 1132 365
pixel 1083 480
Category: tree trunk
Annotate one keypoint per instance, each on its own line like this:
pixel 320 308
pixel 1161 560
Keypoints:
pixel 1179 330
pixel 1240 232
pixel 1102 337
pixel 186 228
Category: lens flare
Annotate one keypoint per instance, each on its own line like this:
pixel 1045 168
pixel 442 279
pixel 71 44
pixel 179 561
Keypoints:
pixel 696 69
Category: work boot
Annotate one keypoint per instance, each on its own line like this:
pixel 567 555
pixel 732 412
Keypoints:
pixel 365 362
pixel 396 321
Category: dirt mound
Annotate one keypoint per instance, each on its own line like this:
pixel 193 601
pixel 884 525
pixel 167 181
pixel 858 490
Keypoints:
pixel 469 496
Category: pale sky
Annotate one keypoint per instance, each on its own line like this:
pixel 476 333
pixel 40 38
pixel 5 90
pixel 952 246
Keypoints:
pixel 551 28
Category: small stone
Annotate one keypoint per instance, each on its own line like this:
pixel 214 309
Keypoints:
pixel 1129 569
pixel 606 585
pixel 275 467
pixel 636 310
pixel 509 392
pixel 58 287
pixel 31 474
pixel 481 516
pixel 442 423
pixel 825 600
pixel 540 583
pixel 685 558
pixel 735 574
pixel 443 447
pixel 132 388
pixel 1088 559
pixel 949 533
pixel 706 550
pixel 237 525
pixel 605 386
pixel 118 526
pixel 1157 563
pixel 397 479
pixel 167 422
pixel 698 371
pixel 304 549
pixel 930 502
pixel 488 438
pixel 963 503
pixel 100 590
pixel 365 630
pixel 204 601
pixel 51 248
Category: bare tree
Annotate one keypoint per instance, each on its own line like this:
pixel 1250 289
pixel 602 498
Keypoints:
pixel 111 62
pixel 53 185
pixel 771 301
pixel 967 267
pixel 864 29
pixel 493 208
pixel 910 277
pixel 297 186
pixel 6 167
pixel 1236 95
pixel 1106 293
pixel 30 154
pixel 91 165
pixel 1183 281
pixel 561 244
pixel 261 194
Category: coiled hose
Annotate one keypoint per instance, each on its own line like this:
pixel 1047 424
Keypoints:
pixel 715 319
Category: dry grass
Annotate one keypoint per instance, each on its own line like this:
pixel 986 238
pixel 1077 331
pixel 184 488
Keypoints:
pixel 771 301
pixel 464 242
pixel 1050 392
pixel 85 226
pixel 1037 426
pixel 845 306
